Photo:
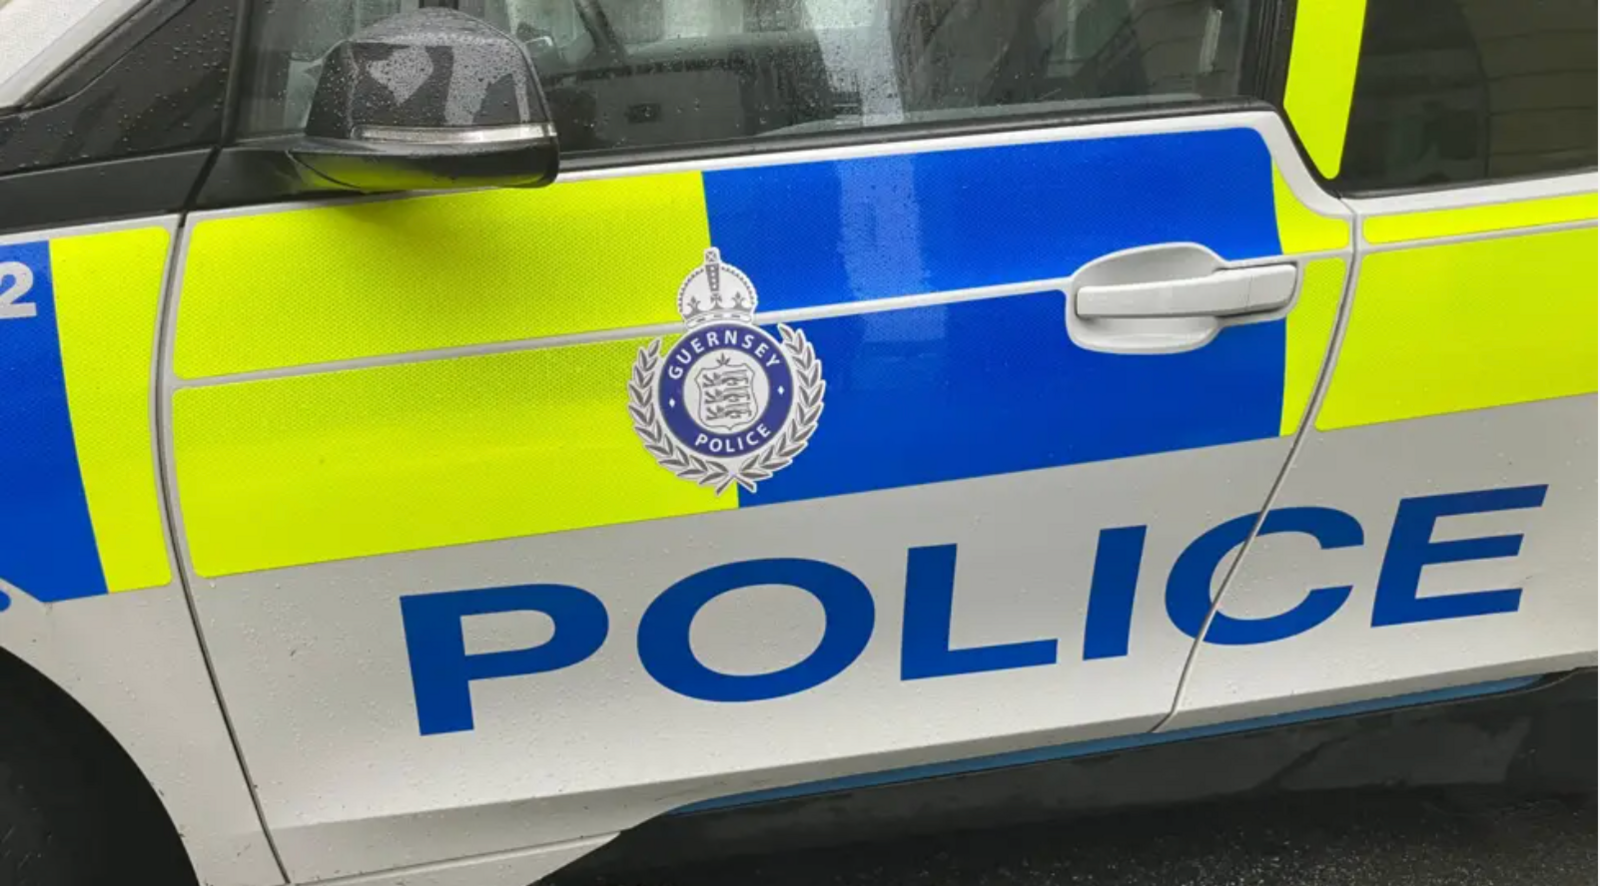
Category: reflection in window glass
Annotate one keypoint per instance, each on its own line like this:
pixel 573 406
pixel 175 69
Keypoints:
pixel 1468 90
pixel 642 73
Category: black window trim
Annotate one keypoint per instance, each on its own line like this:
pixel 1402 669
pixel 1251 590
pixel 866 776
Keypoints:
pixel 103 191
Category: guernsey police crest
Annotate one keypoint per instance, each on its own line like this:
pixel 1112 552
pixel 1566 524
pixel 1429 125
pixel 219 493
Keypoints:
pixel 727 403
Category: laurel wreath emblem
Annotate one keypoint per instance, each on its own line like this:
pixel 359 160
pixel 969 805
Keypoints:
pixel 716 473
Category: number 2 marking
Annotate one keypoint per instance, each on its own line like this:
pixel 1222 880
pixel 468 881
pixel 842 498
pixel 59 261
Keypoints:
pixel 21 280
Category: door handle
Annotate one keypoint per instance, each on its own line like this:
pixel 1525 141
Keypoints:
pixel 1219 294
pixel 1166 298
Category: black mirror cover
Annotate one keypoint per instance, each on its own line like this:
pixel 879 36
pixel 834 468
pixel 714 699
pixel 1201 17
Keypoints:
pixel 431 68
pixel 432 98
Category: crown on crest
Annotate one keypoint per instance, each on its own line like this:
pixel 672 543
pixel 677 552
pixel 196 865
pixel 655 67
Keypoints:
pixel 716 292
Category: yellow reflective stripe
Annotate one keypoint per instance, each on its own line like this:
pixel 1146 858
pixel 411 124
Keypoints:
pixel 108 297
pixel 1302 229
pixel 1469 325
pixel 1479 219
pixel 323 467
pixel 305 286
pixel 1322 76
pixel 1307 331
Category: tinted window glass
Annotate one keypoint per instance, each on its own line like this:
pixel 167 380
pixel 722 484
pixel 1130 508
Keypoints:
pixel 641 73
pixel 156 84
pixel 1467 90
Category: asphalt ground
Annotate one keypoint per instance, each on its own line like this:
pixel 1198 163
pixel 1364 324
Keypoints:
pixel 1324 839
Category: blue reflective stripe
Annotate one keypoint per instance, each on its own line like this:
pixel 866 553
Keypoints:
pixel 925 395
pixel 823 233
pixel 1106 745
pixel 47 546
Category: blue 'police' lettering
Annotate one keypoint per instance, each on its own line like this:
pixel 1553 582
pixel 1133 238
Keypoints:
pixel 441 669
pixel 665 652
pixel 1411 548
pixel 1189 585
pixel 1116 573
pixel 925 632
pixel 442 672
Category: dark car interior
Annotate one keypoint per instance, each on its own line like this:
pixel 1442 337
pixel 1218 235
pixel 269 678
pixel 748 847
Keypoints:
pixel 631 74
pixel 782 71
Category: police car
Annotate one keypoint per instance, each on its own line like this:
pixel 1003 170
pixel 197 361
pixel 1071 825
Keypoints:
pixel 441 442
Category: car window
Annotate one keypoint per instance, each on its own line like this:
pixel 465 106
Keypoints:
pixel 1453 91
pixel 645 73
pixel 156 84
pixel 39 37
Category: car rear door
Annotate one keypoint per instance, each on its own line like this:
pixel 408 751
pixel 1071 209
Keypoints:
pixel 1451 462
pixel 469 576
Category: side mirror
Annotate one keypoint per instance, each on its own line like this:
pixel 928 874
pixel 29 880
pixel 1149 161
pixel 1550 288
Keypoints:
pixel 427 100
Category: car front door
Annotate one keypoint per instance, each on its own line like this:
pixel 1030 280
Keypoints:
pixel 849 432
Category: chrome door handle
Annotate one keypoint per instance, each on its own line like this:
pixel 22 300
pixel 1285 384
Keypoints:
pixel 1219 294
